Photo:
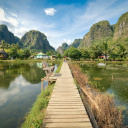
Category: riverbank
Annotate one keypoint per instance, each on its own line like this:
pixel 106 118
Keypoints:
pixel 37 113
pixel 28 61
pixel 103 105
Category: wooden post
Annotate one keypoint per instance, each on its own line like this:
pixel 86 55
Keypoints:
pixel 112 77
pixel 42 85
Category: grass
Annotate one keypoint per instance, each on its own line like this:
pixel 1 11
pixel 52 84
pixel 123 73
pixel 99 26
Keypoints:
pixel 34 119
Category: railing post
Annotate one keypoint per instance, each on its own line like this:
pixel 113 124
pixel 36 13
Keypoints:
pixel 42 81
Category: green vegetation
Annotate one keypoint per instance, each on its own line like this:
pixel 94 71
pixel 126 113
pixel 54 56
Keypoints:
pixel 94 51
pixel 16 52
pixel 37 113
pixel 73 53
pixel 59 68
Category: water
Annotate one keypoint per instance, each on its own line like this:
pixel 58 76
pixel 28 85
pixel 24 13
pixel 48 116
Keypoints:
pixel 19 86
pixel 111 78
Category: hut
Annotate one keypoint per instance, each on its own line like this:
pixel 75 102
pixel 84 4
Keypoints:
pixel 42 56
pixel 53 57
pixel 3 54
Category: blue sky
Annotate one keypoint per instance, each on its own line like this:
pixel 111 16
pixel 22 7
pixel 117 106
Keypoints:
pixel 60 20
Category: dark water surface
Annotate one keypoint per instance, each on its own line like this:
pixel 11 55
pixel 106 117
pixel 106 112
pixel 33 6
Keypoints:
pixel 19 86
pixel 111 78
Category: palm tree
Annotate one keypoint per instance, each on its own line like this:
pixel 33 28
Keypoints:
pixel 122 51
pixel 3 44
pixel 105 49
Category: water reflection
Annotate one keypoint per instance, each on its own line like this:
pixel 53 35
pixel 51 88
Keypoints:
pixel 112 78
pixel 19 86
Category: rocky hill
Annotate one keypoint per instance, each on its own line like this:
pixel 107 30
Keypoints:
pixel 65 46
pixel 17 39
pixel 121 29
pixel 60 50
pixel 102 30
pixel 35 40
pixel 76 43
pixel 6 35
pixel 98 33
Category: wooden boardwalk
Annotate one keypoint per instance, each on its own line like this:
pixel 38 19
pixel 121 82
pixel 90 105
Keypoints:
pixel 65 108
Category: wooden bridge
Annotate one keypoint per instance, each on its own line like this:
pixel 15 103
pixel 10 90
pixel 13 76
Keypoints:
pixel 65 108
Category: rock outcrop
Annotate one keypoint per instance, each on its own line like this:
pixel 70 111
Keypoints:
pixel 6 35
pixel 35 40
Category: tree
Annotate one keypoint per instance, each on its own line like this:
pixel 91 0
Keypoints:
pixel 73 53
pixel 13 45
pixel 105 49
pixel 95 50
pixel 20 53
pixel 58 55
pixel 122 51
pixel 26 53
pixel 113 55
pixel 51 52
pixel 3 44
pixel 84 53
pixel 13 53
pixel 17 46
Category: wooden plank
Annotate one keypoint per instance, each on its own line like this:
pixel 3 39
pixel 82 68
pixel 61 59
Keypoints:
pixel 80 120
pixel 62 109
pixel 66 112
pixel 65 108
pixel 65 116
pixel 66 103
pixel 68 125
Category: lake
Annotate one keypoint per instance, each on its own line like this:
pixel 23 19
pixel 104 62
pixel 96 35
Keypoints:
pixel 20 85
pixel 111 78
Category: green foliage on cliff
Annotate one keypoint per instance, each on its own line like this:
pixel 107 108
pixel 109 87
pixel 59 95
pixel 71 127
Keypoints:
pixel 65 46
pixel 76 43
pixel 121 30
pixel 35 40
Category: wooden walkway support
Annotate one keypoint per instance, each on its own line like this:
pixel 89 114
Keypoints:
pixel 65 108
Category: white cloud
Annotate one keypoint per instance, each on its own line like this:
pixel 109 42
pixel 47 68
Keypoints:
pixel 50 11
pixel 20 31
pixel 5 18
pixel 13 14
pixel 68 41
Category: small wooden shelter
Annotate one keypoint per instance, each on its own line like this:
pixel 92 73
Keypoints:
pixel 3 54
